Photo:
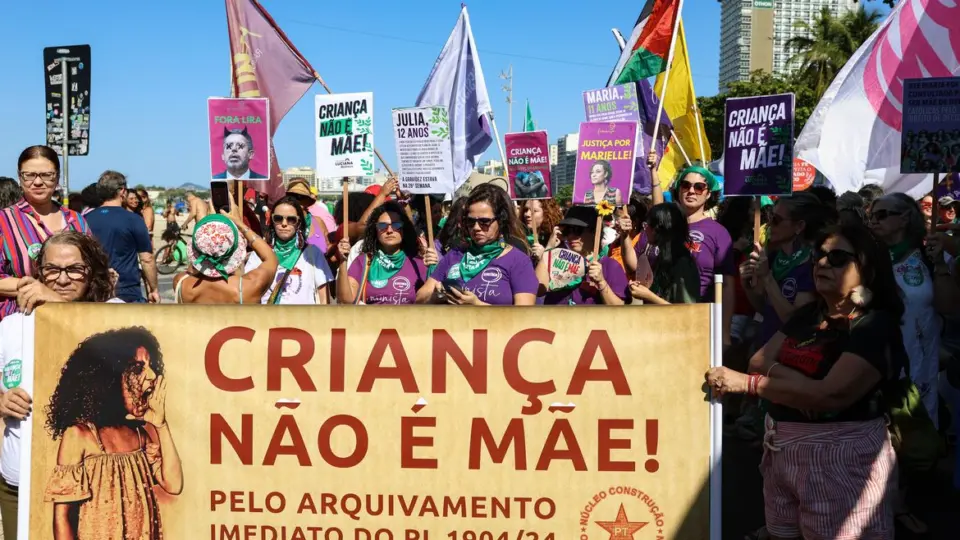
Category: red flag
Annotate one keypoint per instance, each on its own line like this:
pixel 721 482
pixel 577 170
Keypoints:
pixel 265 64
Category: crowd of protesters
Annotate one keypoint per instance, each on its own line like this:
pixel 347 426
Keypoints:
pixel 833 312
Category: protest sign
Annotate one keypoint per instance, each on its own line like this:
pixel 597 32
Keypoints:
pixel 344 134
pixel 612 104
pixel 803 174
pixel 528 165
pixel 931 126
pixel 758 143
pixel 565 267
pixel 605 158
pixel 535 424
pixel 78 97
pixel 424 154
pixel 239 138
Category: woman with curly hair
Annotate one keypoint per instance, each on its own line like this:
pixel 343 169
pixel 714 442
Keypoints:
pixel 108 412
pixel 541 217
pixel 71 267
pixel 302 273
pixel 389 269
pixel 494 266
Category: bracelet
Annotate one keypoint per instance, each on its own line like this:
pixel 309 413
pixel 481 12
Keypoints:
pixel 770 370
pixel 753 383
pixel 603 287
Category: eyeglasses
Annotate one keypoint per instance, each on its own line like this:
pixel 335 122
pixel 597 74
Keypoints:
pixel 880 215
pixel 75 272
pixel 567 230
pixel 48 177
pixel 697 187
pixel 836 258
pixel 290 220
pixel 397 226
pixel 484 222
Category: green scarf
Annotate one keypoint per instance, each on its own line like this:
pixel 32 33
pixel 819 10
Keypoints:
pixel 783 264
pixel 383 267
pixel 899 250
pixel 287 251
pixel 215 262
pixel 476 258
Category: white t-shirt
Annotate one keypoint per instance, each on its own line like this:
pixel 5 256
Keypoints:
pixel 310 273
pixel 920 327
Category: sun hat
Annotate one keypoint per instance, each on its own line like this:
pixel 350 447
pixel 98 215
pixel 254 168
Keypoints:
pixel 580 216
pixel 300 188
pixel 217 250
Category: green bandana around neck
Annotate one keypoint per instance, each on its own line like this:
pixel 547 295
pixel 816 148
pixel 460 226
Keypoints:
pixel 216 262
pixel 384 266
pixel 477 258
pixel 287 251
pixel 899 250
pixel 783 264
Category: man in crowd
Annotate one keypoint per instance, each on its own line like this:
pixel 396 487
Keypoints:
pixel 197 209
pixel 237 153
pixel 124 237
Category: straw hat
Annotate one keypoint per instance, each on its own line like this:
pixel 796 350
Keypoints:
pixel 300 188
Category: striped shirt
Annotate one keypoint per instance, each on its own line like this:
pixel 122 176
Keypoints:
pixel 22 231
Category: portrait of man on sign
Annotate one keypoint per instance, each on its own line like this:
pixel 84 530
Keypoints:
pixel 238 150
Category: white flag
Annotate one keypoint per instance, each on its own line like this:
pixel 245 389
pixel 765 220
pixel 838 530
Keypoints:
pixel 853 136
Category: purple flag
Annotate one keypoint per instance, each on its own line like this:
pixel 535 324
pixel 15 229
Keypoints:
pixel 642 180
pixel 456 82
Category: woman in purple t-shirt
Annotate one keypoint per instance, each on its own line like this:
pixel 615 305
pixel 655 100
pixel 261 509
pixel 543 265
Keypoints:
pixel 493 267
pixel 389 269
pixel 779 280
pixel 605 281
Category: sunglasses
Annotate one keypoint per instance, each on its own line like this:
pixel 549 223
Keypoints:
pixel 880 215
pixel 777 219
pixel 395 225
pixel 697 187
pixel 567 230
pixel 290 220
pixel 926 205
pixel 836 258
pixel 484 222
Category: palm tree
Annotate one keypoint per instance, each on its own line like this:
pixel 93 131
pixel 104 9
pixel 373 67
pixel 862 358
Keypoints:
pixel 828 42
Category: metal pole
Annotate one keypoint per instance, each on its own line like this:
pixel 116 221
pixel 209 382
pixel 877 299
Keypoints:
pixel 65 112
pixel 510 106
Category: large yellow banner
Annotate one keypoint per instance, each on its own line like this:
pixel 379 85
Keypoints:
pixel 369 423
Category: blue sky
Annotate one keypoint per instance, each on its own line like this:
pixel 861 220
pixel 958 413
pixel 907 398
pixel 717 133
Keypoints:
pixel 155 63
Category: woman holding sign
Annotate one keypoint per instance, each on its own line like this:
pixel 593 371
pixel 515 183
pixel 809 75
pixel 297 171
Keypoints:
pixel 560 279
pixel 493 268
pixel 389 269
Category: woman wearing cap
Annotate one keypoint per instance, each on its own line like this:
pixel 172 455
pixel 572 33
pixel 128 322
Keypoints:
pixel 389 270
pixel 493 268
pixel 605 281
pixel 302 270
pixel 218 249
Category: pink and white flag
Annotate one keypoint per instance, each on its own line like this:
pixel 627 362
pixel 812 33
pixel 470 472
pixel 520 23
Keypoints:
pixel 853 136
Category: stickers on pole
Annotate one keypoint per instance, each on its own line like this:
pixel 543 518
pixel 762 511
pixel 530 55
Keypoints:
pixel 77 118
pixel 344 131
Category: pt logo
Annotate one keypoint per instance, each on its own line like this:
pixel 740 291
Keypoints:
pixel 622 528
pixel 628 501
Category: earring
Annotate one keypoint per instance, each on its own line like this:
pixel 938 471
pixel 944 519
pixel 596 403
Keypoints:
pixel 861 296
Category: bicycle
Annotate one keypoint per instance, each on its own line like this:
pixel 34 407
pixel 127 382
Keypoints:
pixel 173 254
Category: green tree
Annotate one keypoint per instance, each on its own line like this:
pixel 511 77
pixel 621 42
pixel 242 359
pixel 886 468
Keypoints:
pixel 564 195
pixel 760 84
pixel 827 43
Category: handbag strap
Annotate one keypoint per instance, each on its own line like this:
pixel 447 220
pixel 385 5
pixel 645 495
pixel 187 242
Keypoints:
pixel 278 290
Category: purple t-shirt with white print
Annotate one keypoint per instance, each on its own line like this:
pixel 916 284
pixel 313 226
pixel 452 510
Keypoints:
pixel 712 249
pixel 401 289
pixel 510 274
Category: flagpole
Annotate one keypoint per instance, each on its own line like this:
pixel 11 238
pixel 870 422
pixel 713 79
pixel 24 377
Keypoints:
pixel 673 137
pixel 375 151
pixel 666 75
pixel 696 108
pixel 496 137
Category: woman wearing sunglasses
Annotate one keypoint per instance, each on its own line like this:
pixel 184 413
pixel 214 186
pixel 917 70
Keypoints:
pixel 493 267
pixel 302 273
pixel 779 279
pixel 925 283
pixel 389 269
pixel 828 464
pixel 605 281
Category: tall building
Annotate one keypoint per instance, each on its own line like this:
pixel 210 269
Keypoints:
pixel 554 152
pixel 566 167
pixel 754 34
